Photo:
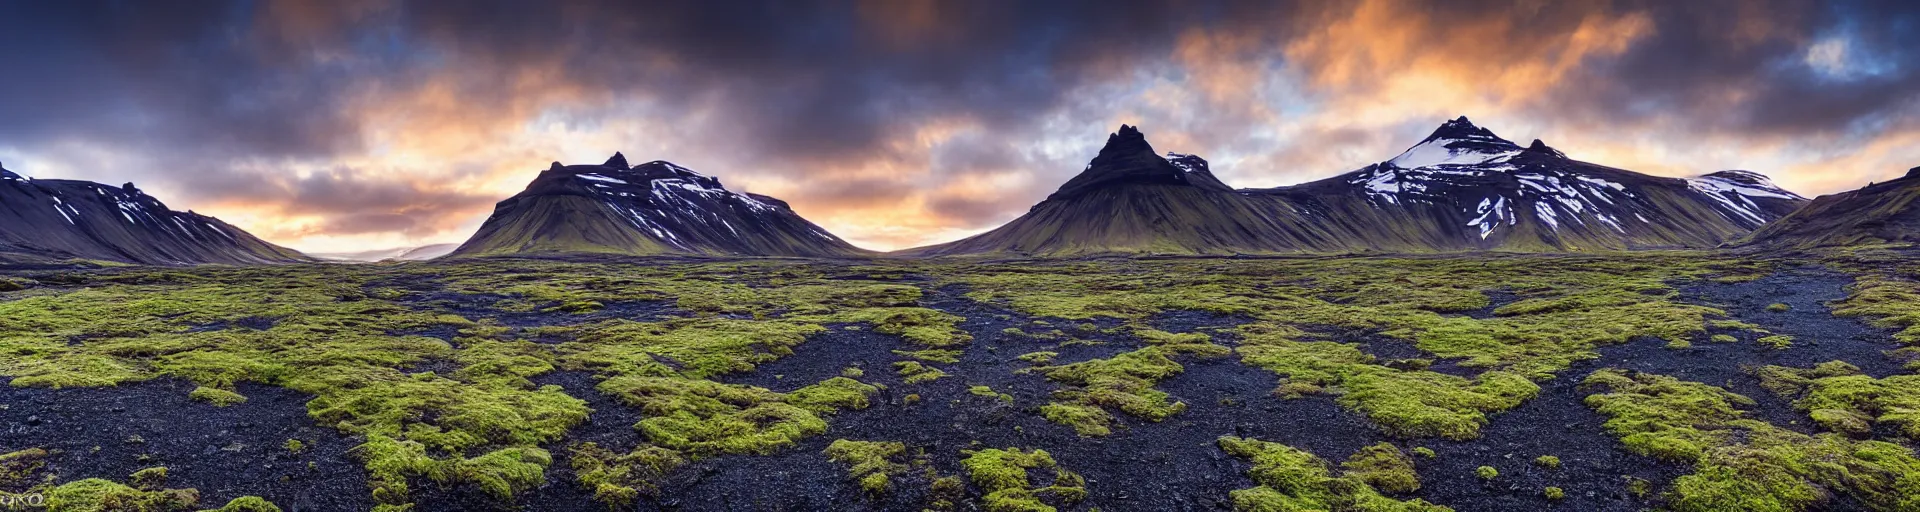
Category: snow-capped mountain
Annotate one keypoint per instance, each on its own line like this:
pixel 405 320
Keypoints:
pixel 1463 188
pixel 53 220
pixel 1880 213
pixel 653 208
pixel 1480 191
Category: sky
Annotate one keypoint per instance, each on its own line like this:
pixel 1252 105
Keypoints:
pixel 344 125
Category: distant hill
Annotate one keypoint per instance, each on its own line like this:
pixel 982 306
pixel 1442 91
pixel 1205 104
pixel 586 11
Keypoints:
pixel 1460 189
pixel 421 253
pixel 44 220
pixel 1877 214
pixel 656 208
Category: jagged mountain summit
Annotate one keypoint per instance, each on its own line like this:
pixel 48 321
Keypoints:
pixel 655 208
pixel 1879 213
pixel 49 220
pixel 1462 188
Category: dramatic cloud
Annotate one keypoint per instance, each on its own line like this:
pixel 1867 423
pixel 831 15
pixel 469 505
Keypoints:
pixel 344 125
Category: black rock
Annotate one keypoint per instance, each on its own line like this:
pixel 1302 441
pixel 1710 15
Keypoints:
pixel 618 161
pixel 1128 159
pixel 1543 148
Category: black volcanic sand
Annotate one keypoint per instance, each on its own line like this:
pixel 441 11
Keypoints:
pixel 1594 468
pixel 225 452
pixel 1173 465
pixel 1818 335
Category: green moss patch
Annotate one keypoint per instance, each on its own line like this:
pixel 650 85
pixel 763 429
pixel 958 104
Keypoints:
pixel 1292 479
pixel 1745 464
pixel 618 479
pixel 1123 382
pixel 871 463
pixel 1842 399
pixel 1007 479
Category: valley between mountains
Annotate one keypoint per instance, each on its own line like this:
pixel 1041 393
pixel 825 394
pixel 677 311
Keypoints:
pixel 1472 325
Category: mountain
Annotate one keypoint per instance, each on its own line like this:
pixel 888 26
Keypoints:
pixel 1465 188
pixel 1877 214
pixel 1462 188
pixel 45 220
pixel 420 253
pixel 656 208
pixel 1132 200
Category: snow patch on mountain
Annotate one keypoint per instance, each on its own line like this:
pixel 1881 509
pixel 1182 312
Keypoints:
pixel 1740 182
pixel 1735 191
pixel 1437 153
pixel 603 179
pixel 1494 212
pixel 1179 160
pixel 64 209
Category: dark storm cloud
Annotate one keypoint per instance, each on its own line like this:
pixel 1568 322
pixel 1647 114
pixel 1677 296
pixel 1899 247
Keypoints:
pixel 812 88
pixel 163 75
pixel 802 81
pixel 1741 67
pixel 809 79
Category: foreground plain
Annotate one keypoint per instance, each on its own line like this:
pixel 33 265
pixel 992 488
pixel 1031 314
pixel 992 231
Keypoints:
pixel 1684 381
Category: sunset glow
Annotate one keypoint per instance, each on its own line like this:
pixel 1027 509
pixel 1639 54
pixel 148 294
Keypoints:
pixel 353 125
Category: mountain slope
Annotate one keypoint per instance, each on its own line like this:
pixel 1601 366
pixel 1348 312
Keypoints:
pixel 42 219
pixel 649 209
pixel 1460 189
pixel 1877 214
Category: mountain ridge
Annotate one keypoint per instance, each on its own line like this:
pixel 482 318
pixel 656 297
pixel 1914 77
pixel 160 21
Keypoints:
pixel 1879 213
pixel 1462 188
pixel 45 220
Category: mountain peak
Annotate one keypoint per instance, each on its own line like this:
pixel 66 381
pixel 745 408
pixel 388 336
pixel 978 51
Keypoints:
pixel 1128 140
pixel 1457 142
pixel 1129 159
pixel 1913 173
pixel 618 161
pixel 1463 129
